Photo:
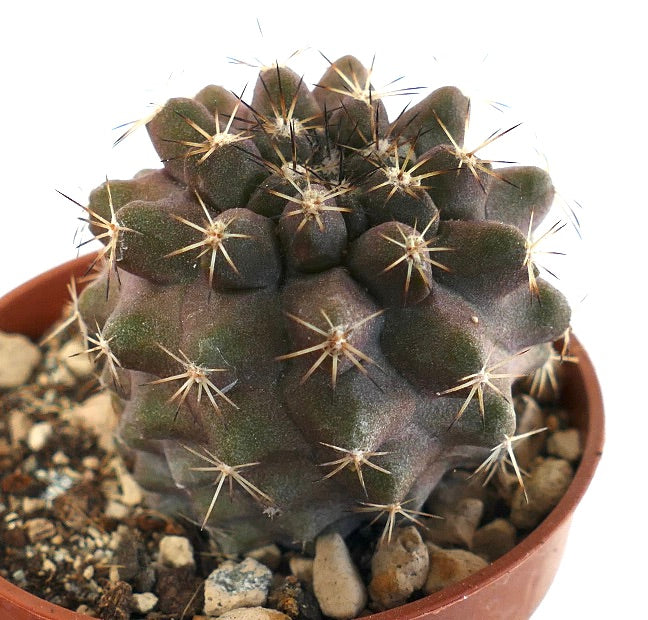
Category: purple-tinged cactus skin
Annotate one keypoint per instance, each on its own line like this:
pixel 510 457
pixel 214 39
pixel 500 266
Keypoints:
pixel 315 311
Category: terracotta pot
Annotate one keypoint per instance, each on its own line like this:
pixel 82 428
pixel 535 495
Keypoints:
pixel 509 589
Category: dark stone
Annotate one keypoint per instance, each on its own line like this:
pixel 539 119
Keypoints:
pixel 179 590
pixel 115 604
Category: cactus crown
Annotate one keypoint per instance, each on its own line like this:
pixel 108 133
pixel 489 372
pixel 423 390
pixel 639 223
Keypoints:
pixel 316 308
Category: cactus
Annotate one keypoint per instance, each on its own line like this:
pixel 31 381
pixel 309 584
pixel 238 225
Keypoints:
pixel 311 313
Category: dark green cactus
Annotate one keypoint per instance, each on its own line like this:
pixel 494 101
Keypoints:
pixel 317 310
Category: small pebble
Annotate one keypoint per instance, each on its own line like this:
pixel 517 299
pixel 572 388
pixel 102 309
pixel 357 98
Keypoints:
pixel 85 609
pixel 91 462
pixel 38 436
pixel 19 425
pixel 448 566
pixel 270 555
pixel 545 486
pixel 39 529
pixel 565 445
pixel 132 494
pixel 60 458
pixel 398 568
pixel 506 483
pixel 455 486
pixel 32 504
pixel 18 358
pixel 302 568
pixel 529 417
pixel 97 414
pixel 115 540
pixel 176 551
pixel 234 585
pixel 144 602
pixel 60 375
pixel 73 355
pixel 18 575
pixel 337 583
pixel 494 539
pixel 458 525
pixel 113 574
pixel 30 464
pixel 254 613
pixel 116 510
pixel 131 491
pixel 557 420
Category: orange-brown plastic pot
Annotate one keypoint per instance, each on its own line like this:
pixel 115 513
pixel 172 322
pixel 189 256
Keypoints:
pixel 509 589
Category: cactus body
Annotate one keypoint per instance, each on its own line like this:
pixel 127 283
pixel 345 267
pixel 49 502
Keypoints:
pixel 316 310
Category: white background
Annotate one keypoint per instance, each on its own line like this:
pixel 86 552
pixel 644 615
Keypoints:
pixel 574 72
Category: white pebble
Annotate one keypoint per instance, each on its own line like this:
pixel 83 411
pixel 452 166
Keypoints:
pixel 38 436
pixel 32 504
pixel 565 444
pixel 398 568
pixel 116 510
pixel 39 529
pixel 84 609
pixel 337 583
pixel 529 417
pixel 73 355
pixel 60 555
pixel 176 551
pixel 98 415
pixel 60 458
pixel 458 524
pixel 302 568
pixel 144 602
pixel 545 485
pixel 494 539
pixel 233 585
pixel 18 575
pixel 19 425
pixel 18 358
pixel 448 566
pixel 60 375
pixel 131 491
pixel 91 462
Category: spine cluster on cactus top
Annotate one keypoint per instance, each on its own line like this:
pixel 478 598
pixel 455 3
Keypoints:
pixel 307 285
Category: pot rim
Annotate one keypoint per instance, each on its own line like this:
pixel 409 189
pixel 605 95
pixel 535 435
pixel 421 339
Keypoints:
pixel 559 516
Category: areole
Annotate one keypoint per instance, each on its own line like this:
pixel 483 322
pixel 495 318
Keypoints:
pixel 508 589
